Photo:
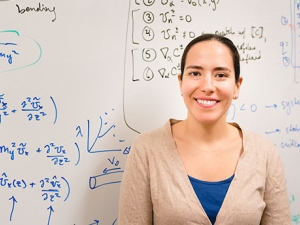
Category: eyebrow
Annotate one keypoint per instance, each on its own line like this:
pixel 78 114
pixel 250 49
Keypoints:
pixel 219 68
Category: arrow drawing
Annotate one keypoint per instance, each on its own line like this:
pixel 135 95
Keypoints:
pixel 274 131
pixel 50 213
pixel 13 207
pixel 272 106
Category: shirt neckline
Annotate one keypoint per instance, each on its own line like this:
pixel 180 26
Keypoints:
pixel 227 180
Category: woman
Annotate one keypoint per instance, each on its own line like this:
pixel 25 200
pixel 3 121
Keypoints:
pixel 203 170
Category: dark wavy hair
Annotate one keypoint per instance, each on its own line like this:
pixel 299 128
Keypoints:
pixel 214 37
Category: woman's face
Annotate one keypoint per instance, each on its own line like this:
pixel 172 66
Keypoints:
pixel 208 83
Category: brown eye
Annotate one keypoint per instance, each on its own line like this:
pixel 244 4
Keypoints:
pixel 194 74
pixel 221 75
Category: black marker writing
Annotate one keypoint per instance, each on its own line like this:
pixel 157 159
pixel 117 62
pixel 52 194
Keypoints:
pixel 40 8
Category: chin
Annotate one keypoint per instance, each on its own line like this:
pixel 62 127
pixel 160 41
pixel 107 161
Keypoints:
pixel 208 119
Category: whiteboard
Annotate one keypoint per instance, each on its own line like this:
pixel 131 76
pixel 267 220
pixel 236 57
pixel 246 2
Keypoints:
pixel 79 80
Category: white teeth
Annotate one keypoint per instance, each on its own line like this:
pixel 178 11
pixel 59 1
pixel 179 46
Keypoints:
pixel 206 102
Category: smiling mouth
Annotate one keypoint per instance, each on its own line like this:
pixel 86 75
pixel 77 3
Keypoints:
pixel 207 102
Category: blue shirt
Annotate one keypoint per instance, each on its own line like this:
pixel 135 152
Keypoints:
pixel 211 195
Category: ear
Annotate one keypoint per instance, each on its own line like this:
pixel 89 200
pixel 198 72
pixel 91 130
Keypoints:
pixel 238 87
pixel 179 81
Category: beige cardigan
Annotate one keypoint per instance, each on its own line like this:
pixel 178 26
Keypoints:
pixel 155 188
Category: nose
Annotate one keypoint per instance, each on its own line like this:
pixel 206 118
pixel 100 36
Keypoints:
pixel 207 84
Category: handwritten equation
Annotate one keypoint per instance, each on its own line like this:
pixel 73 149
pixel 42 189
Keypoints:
pixel 31 107
pixel 287 106
pixel 17 51
pixel 60 155
pixel 160 35
pixel 290 47
pixel 290 130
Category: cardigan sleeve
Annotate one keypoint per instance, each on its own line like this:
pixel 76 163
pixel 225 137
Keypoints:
pixel 277 211
pixel 135 206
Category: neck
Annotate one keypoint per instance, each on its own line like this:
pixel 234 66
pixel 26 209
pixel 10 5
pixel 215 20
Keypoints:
pixel 206 136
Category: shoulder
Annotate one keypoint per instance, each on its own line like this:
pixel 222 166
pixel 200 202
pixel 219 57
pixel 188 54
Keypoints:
pixel 153 141
pixel 155 144
pixel 156 136
pixel 258 147
pixel 261 154
pixel 148 137
pixel 254 140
